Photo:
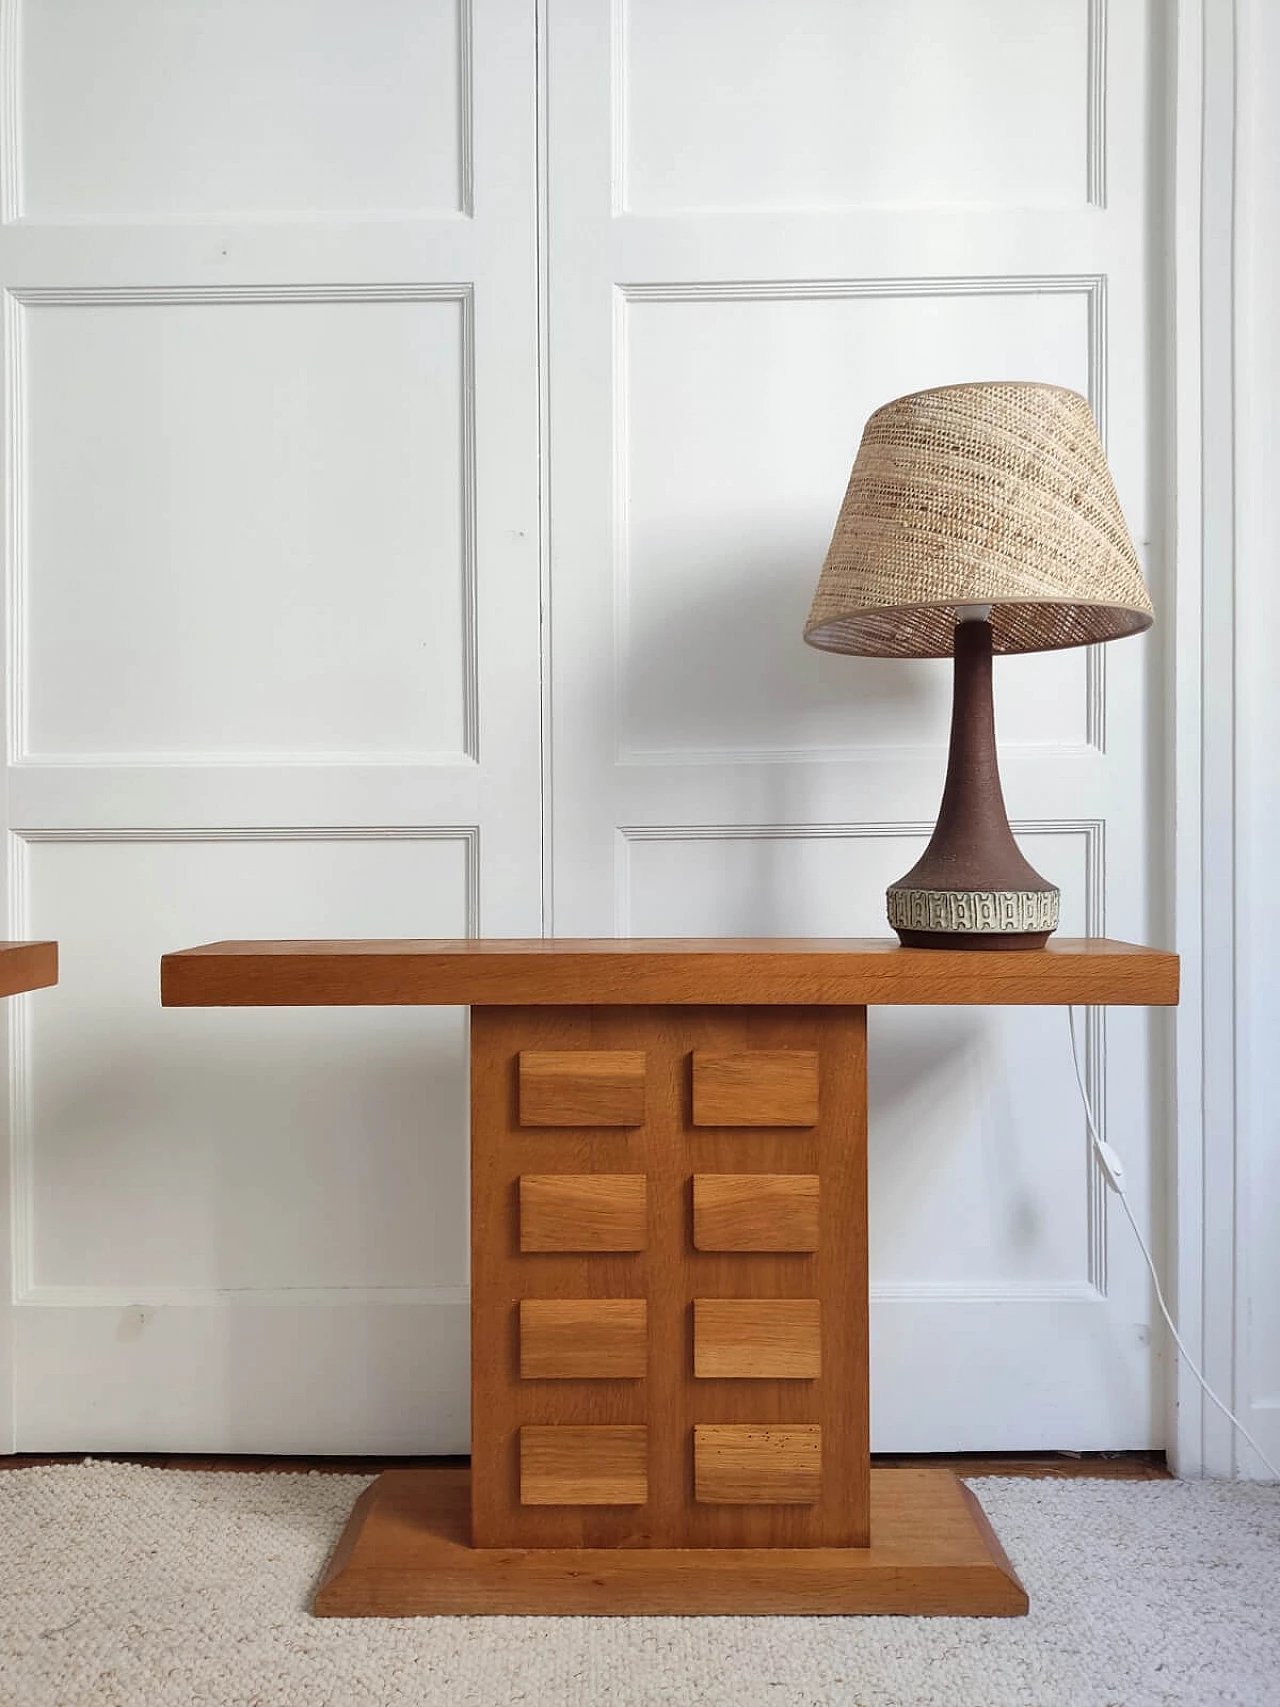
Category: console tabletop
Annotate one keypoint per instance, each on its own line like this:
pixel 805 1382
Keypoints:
pixel 655 971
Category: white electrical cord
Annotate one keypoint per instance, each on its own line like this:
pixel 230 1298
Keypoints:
pixel 1113 1172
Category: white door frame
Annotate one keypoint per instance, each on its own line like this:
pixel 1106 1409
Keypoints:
pixel 1224 533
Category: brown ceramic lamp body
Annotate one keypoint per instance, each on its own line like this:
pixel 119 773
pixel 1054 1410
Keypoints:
pixel 972 869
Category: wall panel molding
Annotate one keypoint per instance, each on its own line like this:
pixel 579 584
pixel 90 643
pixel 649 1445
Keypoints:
pixel 143 1298
pixel 1094 97
pixel 1091 286
pixel 21 1109
pixel 997 1292
pixel 1096 147
pixel 467 108
pixel 10 112
pixel 13 187
pixel 16 569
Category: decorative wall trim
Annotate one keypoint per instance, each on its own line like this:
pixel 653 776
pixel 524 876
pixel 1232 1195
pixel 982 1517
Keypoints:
pixel 1094 1065
pixel 1256 721
pixel 979 1292
pixel 470 584
pixel 13 575
pixel 1096 145
pixel 201 1297
pixel 219 296
pixel 21 1091
pixel 11 177
pixel 190 1297
pixel 17 568
pixel 545 591
pixel 253 760
pixel 1092 286
pixel 1095 97
pixel 619 107
pixel 466 109
pixel 1198 675
pixel 10 111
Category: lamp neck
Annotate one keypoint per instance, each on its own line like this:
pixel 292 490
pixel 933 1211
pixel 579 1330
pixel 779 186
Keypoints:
pixel 971 758
pixel 972 846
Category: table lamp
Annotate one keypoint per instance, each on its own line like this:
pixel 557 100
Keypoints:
pixel 978 519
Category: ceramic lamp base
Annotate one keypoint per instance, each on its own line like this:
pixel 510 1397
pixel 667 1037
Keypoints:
pixel 970 918
pixel 972 888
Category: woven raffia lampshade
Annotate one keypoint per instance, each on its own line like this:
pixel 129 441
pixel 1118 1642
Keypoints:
pixel 995 493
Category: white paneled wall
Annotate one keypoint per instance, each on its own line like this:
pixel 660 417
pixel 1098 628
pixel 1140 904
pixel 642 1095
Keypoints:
pixel 379 378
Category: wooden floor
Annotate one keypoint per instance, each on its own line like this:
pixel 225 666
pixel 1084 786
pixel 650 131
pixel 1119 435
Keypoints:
pixel 1114 1466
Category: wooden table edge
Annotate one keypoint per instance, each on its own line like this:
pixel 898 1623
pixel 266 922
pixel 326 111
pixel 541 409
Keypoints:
pixel 27 966
pixel 745 972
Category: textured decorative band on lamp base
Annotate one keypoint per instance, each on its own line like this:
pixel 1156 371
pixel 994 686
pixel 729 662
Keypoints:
pixel 972 888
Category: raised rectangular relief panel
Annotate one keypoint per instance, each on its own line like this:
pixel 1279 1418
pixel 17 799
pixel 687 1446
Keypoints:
pixel 581 1087
pixel 750 1464
pixel 757 1339
pixel 583 1339
pixel 755 1212
pixel 755 1087
pixel 582 1212
pixel 583 1466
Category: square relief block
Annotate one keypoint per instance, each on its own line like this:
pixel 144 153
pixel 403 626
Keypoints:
pixel 746 1464
pixel 755 1212
pixel 583 1339
pixel 582 1087
pixel 757 1339
pixel 583 1466
pixel 755 1087
pixel 583 1212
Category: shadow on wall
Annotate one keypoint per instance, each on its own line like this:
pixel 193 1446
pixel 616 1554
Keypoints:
pixel 715 672
pixel 712 658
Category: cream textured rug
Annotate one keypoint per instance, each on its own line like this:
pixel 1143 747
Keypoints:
pixel 166 1588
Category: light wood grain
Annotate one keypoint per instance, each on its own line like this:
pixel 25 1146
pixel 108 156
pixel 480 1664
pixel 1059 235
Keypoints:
pixel 764 971
pixel 581 1087
pixel 757 1339
pixel 27 966
pixel 583 1212
pixel 406 1552
pixel 669 1273
pixel 735 1464
pixel 755 1087
pixel 755 1212
pixel 582 1339
pixel 583 1466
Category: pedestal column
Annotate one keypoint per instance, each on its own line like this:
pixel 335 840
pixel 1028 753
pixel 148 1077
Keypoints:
pixel 669 1278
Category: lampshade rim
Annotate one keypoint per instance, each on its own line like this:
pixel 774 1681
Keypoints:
pixel 976 384
pixel 1137 620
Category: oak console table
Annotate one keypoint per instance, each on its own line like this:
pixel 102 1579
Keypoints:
pixel 669 1273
